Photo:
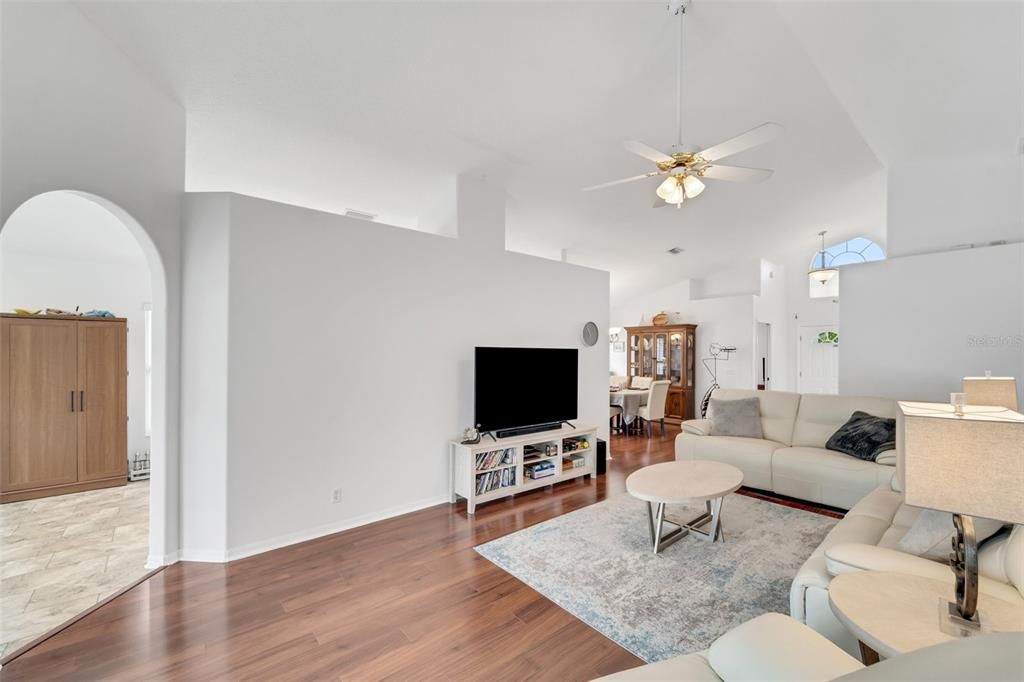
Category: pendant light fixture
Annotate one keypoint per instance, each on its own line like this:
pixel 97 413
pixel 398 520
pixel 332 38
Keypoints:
pixel 822 274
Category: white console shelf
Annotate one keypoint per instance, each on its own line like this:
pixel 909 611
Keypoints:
pixel 493 469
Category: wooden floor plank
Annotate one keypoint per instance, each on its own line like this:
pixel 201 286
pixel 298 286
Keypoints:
pixel 405 598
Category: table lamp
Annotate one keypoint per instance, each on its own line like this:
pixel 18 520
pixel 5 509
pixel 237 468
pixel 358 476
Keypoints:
pixel 986 390
pixel 970 465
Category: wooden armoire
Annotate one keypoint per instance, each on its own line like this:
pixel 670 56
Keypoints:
pixel 63 405
pixel 666 352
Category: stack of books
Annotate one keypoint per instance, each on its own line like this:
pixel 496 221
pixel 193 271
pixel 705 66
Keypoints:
pixel 540 469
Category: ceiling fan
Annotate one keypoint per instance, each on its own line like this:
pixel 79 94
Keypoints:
pixel 685 165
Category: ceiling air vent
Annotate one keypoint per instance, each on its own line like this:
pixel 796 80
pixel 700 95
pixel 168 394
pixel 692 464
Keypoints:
pixel 360 215
pixel 676 250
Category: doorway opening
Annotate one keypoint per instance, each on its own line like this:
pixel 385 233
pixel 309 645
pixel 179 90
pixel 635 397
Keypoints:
pixel 78 284
pixel 763 356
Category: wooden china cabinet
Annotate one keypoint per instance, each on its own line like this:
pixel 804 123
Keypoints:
pixel 666 352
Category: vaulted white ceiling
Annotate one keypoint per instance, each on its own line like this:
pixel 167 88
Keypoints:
pixel 376 106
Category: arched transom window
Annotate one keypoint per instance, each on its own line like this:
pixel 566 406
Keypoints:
pixel 856 250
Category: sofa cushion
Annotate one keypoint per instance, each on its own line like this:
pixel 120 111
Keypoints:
pixel 775 647
pixel 778 410
pixel 931 534
pixel 740 418
pixel 864 436
pixel 827 477
pixel 820 416
pixel 752 456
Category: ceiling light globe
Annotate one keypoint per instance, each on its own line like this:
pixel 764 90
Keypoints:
pixel 668 188
pixel 824 275
pixel 692 186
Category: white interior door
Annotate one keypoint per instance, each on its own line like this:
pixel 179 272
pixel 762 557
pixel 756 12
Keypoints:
pixel 819 362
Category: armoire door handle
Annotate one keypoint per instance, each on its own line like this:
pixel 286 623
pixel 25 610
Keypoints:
pixel 81 401
pixel 72 401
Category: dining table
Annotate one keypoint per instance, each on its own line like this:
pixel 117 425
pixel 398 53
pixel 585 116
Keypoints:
pixel 630 400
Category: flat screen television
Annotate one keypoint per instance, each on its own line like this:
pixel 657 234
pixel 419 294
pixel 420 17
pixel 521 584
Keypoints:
pixel 523 387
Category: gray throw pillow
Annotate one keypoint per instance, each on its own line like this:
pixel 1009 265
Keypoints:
pixel 931 534
pixel 736 418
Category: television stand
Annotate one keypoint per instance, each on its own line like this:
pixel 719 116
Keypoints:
pixel 485 471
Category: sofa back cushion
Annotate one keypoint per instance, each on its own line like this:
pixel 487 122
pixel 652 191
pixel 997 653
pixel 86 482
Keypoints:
pixel 778 410
pixel 820 416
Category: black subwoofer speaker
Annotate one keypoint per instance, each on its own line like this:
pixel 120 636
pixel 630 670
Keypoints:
pixel 602 456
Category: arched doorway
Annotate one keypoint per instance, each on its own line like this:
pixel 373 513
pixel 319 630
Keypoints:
pixel 66 250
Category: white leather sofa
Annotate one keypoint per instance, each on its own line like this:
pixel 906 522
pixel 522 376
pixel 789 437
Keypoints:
pixel 867 539
pixel 774 648
pixel 769 647
pixel 791 459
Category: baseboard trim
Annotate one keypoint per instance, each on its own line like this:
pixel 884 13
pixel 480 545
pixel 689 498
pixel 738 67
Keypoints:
pixel 280 541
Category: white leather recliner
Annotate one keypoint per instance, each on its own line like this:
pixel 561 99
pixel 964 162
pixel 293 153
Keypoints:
pixel 791 459
pixel 774 648
pixel 867 539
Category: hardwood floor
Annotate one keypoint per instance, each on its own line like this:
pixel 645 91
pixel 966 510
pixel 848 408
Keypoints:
pixel 406 598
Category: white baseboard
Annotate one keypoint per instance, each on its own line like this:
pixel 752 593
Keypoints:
pixel 156 561
pixel 311 534
pixel 219 557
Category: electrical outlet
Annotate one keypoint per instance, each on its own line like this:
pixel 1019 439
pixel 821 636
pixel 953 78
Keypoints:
pixel 336 496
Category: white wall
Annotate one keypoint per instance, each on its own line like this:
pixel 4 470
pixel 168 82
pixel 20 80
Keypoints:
pixel 914 326
pixel 204 385
pixel 728 320
pixel 928 212
pixel 350 356
pixel 78 115
pixel 104 269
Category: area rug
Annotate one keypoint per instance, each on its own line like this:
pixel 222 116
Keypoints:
pixel 597 564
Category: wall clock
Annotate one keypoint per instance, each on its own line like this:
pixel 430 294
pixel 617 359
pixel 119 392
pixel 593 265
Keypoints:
pixel 590 334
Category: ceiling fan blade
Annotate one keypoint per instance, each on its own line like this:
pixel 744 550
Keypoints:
pixel 620 182
pixel 766 132
pixel 736 173
pixel 649 153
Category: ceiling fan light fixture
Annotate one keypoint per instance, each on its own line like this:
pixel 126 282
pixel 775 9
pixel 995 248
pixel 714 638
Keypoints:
pixel 692 186
pixel 671 190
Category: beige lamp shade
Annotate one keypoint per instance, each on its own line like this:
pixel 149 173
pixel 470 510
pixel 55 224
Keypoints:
pixel 1001 391
pixel 971 464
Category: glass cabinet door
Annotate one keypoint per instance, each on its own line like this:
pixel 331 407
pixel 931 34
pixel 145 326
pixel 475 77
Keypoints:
pixel 633 356
pixel 660 357
pixel 675 359
pixel 647 355
pixel 689 359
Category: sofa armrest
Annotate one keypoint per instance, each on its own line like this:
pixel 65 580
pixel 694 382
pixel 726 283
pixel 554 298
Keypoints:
pixel 853 556
pixel 763 649
pixel 850 557
pixel 697 427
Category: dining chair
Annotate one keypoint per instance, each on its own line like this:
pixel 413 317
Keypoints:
pixel 654 410
pixel 615 417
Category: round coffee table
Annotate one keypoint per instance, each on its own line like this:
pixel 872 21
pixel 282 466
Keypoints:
pixel 684 483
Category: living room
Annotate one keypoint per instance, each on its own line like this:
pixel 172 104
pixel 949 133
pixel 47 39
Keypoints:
pixel 340 204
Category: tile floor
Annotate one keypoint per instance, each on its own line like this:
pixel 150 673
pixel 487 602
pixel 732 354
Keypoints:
pixel 60 555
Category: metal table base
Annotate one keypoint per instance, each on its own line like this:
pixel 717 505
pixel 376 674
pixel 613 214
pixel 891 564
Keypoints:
pixel 656 523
